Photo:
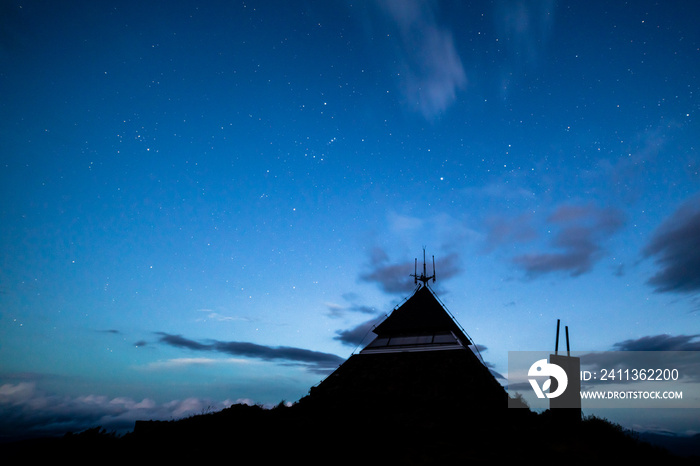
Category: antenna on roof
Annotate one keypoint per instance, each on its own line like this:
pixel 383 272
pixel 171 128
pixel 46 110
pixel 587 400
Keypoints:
pixel 415 272
pixel 424 276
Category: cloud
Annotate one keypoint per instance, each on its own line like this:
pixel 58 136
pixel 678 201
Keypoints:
pixel 577 243
pixel 399 223
pixel 316 361
pixel 432 69
pixel 501 230
pixel 447 233
pixel 359 334
pixel 396 277
pixel 185 362
pixel 625 177
pixel 523 29
pixel 675 246
pixel 181 342
pixel 337 310
pixel 663 342
pixel 506 189
pixel 29 412
pixel 213 315
pixel 392 278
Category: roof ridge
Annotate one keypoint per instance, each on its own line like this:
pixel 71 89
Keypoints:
pixel 421 315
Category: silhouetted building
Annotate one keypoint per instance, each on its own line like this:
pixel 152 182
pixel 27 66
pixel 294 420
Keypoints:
pixel 420 358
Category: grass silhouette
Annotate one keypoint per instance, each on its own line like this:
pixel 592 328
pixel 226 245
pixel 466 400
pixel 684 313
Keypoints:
pixel 349 434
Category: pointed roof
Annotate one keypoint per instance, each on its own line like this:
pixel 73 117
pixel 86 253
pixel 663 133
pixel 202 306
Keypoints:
pixel 420 313
pixel 420 356
pixel 421 324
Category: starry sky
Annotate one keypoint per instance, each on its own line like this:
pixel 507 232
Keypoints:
pixel 211 202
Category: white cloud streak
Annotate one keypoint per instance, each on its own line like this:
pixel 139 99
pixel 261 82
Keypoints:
pixel 432 69
pixel 28 412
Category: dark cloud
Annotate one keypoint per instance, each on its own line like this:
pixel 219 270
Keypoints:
pixel 501 230
pixel 660 343
pixel 362 309
pixel 317 361
pixel 360 334
pixel 338 310
pixel 577 242
pixel 392 278
pixel 377 256
pixel 396 278
pixel 477 349
pixel 180 342
pixel 676 248
pixel 480 348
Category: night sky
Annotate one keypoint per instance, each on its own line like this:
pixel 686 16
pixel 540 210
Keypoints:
pixel 210 202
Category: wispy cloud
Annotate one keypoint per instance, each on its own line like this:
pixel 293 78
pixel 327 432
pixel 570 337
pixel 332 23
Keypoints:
pixel 624 175
pixel 501 230
pixel 338 310
pixel 178 363
pixel 432 69
pixel 577 243
pixel 216 316
pixel 675 246
pixel 523 29
pixel 27 411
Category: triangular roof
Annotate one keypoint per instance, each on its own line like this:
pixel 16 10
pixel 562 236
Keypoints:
pixel 420 355
pixel 421 323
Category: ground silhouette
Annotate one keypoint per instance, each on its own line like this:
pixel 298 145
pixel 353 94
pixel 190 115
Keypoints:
pixel 354 434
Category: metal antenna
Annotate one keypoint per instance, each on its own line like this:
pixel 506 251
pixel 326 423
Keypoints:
pixel 424 276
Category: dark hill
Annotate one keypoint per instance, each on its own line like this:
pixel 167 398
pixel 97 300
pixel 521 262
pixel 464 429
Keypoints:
pixel 350 434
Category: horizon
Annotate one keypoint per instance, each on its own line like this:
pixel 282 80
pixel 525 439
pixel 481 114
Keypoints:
pixel 210 204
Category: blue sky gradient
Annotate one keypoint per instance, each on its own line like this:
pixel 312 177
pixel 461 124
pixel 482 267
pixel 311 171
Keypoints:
pixel 205 203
